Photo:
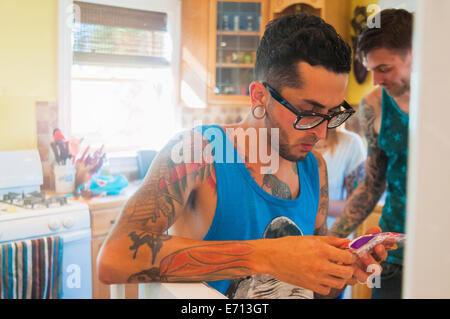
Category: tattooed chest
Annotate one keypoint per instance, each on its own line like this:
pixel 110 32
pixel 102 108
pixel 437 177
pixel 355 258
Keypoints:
pixel 277 186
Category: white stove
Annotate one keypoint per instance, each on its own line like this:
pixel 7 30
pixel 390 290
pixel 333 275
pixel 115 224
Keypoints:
pixel 26 213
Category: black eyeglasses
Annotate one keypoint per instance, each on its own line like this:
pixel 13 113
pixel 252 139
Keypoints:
pixel 308 119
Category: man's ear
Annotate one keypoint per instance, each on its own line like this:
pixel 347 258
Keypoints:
pixel 258 93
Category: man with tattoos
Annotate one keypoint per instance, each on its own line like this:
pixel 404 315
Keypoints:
pixel 386 51
pixel 210 210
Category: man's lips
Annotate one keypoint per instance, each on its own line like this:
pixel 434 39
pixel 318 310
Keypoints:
pixel 307 147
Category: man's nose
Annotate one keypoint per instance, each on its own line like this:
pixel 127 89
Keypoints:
pixel 321 130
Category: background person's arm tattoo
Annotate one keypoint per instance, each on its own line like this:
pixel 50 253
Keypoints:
pixel 352 180
pixel 365 197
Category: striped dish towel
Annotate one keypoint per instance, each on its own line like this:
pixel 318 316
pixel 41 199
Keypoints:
pixel 31 269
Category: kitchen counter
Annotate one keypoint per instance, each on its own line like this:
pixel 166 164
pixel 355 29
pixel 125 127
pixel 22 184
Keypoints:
pixel 110 201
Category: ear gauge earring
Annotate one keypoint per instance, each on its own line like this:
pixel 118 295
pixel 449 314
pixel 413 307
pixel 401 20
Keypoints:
pixel 259 112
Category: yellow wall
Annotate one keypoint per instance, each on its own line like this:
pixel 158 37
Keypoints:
pixel 337 13
pixel 356 91
pixel 28 67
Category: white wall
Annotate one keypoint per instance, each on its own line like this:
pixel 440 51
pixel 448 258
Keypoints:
pixel 427 254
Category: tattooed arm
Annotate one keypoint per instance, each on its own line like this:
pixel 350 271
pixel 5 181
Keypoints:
pixel 138 250
pixel 365 197
pixel 336 207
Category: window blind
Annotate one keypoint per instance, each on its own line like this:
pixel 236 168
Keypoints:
pixel 108 35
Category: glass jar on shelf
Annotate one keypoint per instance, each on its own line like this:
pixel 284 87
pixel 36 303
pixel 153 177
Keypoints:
pixel 250 23
pixel 225 23
pixel 236 23
pixel 248 58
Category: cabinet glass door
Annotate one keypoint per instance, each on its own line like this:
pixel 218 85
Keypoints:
pixel 238 34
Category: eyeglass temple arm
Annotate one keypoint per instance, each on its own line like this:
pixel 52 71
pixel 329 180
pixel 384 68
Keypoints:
pixel 282 101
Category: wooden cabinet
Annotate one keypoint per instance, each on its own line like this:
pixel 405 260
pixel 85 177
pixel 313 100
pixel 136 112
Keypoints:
pixel 280 8
pixel 99 290
pixel 101 222
pixel 194 53
pixel 218 50
pixel 235 28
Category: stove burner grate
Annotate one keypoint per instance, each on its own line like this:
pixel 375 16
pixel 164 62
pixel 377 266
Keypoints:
pixel 33 199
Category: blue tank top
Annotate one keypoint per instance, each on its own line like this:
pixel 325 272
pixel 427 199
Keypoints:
pixel 393 140
pixel 244 210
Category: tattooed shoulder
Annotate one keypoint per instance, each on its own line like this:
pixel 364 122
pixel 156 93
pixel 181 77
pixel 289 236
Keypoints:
pixel 175 172
pixel 369 114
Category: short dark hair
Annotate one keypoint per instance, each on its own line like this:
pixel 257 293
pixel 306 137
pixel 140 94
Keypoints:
pixel 394 33
pixel 301 37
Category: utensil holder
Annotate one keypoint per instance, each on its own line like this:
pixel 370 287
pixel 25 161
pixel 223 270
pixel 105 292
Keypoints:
pixel 64 178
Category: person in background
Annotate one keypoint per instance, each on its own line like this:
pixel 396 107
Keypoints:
pixel 249 232
pixel 344 152
pixel 384 116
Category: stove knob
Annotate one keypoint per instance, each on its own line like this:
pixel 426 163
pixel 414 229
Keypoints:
pixel 54 224
pixel 68 222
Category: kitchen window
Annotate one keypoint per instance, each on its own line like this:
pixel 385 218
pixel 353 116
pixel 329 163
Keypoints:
pixel 123 108
pixel 122 78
